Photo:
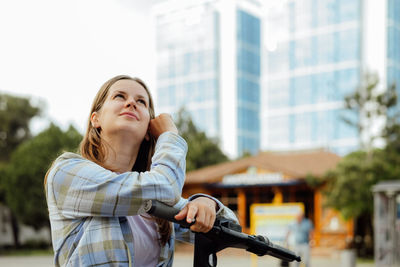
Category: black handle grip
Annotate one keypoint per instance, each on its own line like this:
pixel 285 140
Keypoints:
pixel 161 210
pixel 225 235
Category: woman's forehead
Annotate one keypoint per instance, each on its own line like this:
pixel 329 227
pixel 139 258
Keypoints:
pixel 130 87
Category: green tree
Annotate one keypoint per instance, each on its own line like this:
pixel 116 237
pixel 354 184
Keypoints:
pixel 202 151
pixel 27 168
pixel 15 115
pixel 348 186
pixel 369 103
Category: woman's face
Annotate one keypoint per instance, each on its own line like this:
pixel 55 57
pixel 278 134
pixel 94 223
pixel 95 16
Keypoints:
pixel 125 110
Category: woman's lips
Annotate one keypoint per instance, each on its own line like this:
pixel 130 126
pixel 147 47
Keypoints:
pixel 130 114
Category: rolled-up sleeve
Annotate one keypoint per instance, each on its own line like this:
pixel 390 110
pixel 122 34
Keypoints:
pixel 81 188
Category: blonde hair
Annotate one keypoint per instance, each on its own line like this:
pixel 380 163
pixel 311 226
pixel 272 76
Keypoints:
pixel 92 147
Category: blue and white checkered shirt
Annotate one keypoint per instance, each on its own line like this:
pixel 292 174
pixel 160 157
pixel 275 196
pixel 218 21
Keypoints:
pixel 88 205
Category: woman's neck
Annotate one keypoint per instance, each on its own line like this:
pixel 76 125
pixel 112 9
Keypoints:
pixel 120 154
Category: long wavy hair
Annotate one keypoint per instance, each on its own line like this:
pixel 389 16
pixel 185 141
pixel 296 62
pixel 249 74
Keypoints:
pixel 92 147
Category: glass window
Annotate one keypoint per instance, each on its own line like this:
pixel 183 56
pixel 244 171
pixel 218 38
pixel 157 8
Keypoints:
pixel 342 129
pixel 326 12
pixel 393 76
pixel 326 48
pixel 278 131
pixel 303 127
pixel 348 10
pixel 246 144
pixel 278 60
pixel 248 61
pixel 302 15
pixel 301 90
pixel 205 119
pixel 348 47
pixel 302 53
pixel 166 96
pixel 278 93
pixel 393 43
pixel 209 90
pixel 394 10
pixel 248 119
pixel 248 28
pixel 324 86
pixel 321 126
pixel 347 81
pixel 278 21
pixel 248 91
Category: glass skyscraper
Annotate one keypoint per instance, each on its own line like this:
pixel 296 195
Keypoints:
pixel 208 61
pixel 272 75
pixel 393 44
pixel 313 59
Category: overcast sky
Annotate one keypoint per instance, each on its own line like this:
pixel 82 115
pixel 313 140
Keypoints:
pixel 62 52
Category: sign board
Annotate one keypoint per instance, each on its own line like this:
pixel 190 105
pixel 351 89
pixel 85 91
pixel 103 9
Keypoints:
pixel 273 220
pixel 253 178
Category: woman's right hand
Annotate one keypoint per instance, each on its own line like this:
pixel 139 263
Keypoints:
pixel 161 124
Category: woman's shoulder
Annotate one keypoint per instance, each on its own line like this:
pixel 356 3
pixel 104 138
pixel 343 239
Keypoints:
pixel 68 163
pixel 69 157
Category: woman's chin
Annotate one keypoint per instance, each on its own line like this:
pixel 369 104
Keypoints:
pixel 130 131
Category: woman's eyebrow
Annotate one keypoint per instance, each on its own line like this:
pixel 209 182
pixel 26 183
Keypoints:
pixel 119 92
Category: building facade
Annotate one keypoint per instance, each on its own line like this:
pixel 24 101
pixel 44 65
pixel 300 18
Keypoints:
pixel 393 41
pixel 278 179
pixel 316 53
pixel 208 62
pixel 313 59
pixel 272 75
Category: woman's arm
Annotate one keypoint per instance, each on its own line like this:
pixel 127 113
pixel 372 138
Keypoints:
pixel 82 188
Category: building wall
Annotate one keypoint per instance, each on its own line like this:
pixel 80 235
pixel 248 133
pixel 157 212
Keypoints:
pixel 273 76
pixel 248 82
pixel 187 63
pixel 312 60
pixel 393 47
pixel 208 61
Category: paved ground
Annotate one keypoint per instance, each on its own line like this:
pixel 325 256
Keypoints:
pixel 181 260
pixel 184 258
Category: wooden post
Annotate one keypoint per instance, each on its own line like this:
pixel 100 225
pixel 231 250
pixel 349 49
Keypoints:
pixel 278 198
pixel 242 206
pixel 317 217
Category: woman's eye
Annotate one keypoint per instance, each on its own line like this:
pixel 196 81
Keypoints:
pixel 119 95
pixel 142 101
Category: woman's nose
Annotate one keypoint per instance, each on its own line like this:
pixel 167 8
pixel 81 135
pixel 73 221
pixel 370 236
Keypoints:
pixel 131 103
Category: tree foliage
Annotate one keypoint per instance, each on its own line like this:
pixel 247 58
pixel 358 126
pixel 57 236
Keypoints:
pixel 368 103
pixel 25 173
pixel 202 151
pixel 15 115
pixel 349 185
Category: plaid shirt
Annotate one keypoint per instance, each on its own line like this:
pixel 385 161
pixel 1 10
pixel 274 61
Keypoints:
pixel 88 205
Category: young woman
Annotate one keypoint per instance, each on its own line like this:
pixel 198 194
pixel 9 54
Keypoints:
pixel 127 156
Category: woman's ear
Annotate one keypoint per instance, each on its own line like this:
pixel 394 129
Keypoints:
pixel 94 120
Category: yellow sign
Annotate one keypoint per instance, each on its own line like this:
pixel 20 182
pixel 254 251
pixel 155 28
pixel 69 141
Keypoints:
pixel 273 220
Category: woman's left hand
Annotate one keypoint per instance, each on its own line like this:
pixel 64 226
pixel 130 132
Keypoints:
pixel 203 209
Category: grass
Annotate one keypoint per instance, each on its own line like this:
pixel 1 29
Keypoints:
pixel 26 252
pixel 365 260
